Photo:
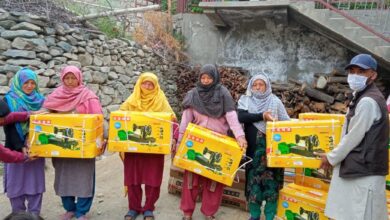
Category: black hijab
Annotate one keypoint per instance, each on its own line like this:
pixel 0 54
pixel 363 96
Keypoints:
pixel 213 100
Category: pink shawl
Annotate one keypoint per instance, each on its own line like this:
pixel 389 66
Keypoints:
pixel 65 99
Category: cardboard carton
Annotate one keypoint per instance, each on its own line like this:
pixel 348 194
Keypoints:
pixel 299 202
pixel 140 132
pixel 310 116
pixel 66 135
pixel 208 154
pixel 294 143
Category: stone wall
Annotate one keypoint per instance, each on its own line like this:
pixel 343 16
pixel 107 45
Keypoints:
pixel 110 66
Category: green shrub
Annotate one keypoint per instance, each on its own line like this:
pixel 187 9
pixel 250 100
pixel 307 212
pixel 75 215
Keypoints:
pixel 109 26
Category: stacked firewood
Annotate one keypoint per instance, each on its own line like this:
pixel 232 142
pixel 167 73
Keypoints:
pixel 235 79
pixel 328 93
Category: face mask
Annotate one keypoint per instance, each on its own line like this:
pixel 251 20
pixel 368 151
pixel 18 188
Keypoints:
pixel 357 82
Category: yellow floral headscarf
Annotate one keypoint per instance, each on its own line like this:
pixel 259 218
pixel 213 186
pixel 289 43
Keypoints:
pixel 147 100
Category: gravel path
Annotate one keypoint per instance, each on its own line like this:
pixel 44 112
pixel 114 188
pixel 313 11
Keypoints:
pixel 109 202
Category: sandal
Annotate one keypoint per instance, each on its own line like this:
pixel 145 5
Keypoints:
pixel 67 216
pixel 186 218
pixel 131 215
pixel 148 215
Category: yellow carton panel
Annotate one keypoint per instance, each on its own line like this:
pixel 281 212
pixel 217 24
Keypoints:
pixel 66 135
pixel 299 202
pixel 309 116
pixel 293 143
pixel 209 154
pixel 140 132
pixel 312 182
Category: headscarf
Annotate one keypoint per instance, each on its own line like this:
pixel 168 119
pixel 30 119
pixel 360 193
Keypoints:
pixel 261 102
pixel 213 100
pixel 147 100
pixel 18 101
pixel 65 99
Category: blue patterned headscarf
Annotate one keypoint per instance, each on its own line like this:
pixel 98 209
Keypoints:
pixel 18 101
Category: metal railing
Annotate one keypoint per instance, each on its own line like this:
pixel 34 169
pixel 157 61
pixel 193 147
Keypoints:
pixel 183 6
pixel 372 15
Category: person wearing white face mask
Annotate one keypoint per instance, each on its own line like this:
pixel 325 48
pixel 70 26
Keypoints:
pixel 360 161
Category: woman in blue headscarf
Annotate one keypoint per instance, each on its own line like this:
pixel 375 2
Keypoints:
pixel 256 107
pixel 25 181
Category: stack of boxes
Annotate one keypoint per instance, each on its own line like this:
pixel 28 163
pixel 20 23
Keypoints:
pixel 292 145
pixel 388 176
pixel 388 184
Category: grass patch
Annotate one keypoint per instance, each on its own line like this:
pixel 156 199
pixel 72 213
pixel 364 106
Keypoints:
pixel 109 26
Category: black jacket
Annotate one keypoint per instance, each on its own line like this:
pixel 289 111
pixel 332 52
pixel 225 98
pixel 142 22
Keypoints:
pixel 250 130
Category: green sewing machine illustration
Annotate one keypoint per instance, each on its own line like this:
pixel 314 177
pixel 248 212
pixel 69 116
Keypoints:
pixel 62 137
pixel 210 159
pixel 140 134
pixel 304 145
pixel 303 215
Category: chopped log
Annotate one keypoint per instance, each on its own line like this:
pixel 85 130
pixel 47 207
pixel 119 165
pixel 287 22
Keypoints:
pixel 295 81
pixel 339 106
pixel 306 109
pixel 306 100
pixel 339 88
pixel 317 94
pixel 321 82
pixel 282 87
pixel 290 111
pixel 116 12
pixel 337 79
pixel 340 97
pixel 318 107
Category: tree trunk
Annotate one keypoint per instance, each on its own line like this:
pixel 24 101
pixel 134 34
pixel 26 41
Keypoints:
pixel 116 12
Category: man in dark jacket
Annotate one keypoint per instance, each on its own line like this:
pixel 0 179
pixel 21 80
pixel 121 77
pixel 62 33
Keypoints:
pixel 360 161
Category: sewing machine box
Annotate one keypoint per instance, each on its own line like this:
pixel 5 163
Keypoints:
pixel 66 135
pixel 310 116
pixel 238 183
pixel 293 143
pixel 299 202
pixel 388 178
pixel 140 132
pixel 208 154
pixel 388 203
pixel 312 182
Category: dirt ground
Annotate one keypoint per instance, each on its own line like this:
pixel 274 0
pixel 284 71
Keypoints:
pixel 110 203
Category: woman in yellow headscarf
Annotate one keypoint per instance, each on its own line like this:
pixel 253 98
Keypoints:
pixel 145 168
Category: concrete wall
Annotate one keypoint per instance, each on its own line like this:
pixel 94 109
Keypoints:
pixel 260 41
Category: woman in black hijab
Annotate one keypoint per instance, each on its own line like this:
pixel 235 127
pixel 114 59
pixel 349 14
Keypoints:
pixel 211 106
